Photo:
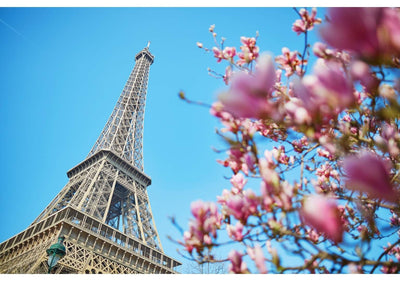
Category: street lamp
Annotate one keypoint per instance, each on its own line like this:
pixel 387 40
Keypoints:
pixel 55 252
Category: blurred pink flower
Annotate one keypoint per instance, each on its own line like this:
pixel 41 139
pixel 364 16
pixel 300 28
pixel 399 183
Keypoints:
pixel 204 226
pixel 234 160
pixel 322 51
pixel 360 71
pixel 249 161
pixel 239 160
pixel 241 207
pixel 235 232
pixel 207 217
pixel 257 255
pixel 248 94
pixel 237 264
pixel 371 33
pixel 346 118
pixel 238 181
pixel 237 207
pixel 388 139
pixel 297 112
pixel 367 173
pixel 323 215
pixel 327 92
pixel 313 235
pixel 252 201
pixel 299 145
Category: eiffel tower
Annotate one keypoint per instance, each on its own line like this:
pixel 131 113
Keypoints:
pixel 104 211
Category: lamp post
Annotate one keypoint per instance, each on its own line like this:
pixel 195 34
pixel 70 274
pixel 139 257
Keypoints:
pixel 55 253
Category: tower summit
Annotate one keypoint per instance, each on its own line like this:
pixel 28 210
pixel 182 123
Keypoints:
pixel 104 211
pixel 123 133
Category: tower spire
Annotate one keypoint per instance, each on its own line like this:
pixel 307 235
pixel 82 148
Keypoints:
pixel 123 132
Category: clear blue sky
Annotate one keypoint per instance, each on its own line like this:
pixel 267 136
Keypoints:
pixel 62 71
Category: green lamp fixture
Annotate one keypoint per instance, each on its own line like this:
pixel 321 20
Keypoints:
pixel 55 253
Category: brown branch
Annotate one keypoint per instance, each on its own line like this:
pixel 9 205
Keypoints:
pixel 183 97
pixel 385 253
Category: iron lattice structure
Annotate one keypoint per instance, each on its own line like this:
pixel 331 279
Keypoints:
pixel 104 210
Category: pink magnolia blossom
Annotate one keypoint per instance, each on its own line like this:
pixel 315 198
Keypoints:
pixel 226 194
pixel 238 181
pixel 344 217
pixel 242 206
pixel 235 232
pixel 234 160
pixel 236 205
pixel 323 215
pixel 299 145
pixel 306 22
pixel 249 50
pixel 388 139
pixel 239 160
pixel 268 200
pixel 250 42
pixel 229 53
pixel 325 175
pixel 248 94
pixel 371 33
pixel 360 71
pixel 313 235
pixel 257 255
pixel 284 198
pixel 204 226
pixel 207 218
pixel 249 162
pixel 297 112
pixel 390 269
pixel 289 62
pixel 395 251
pixel 325 153
pixel 276 196
pixel 200 45
pixel 326 171
pixel 218 54
pixel 279 155
pixel 370 174
pixel 237 264
pixel 353 130
pixel 327 92
pixel 321 50
pixel 267 171
pixel 395 220
pixel 346 118
pixel 252 201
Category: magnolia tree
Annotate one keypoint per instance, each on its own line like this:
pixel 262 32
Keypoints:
pixel 325 192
